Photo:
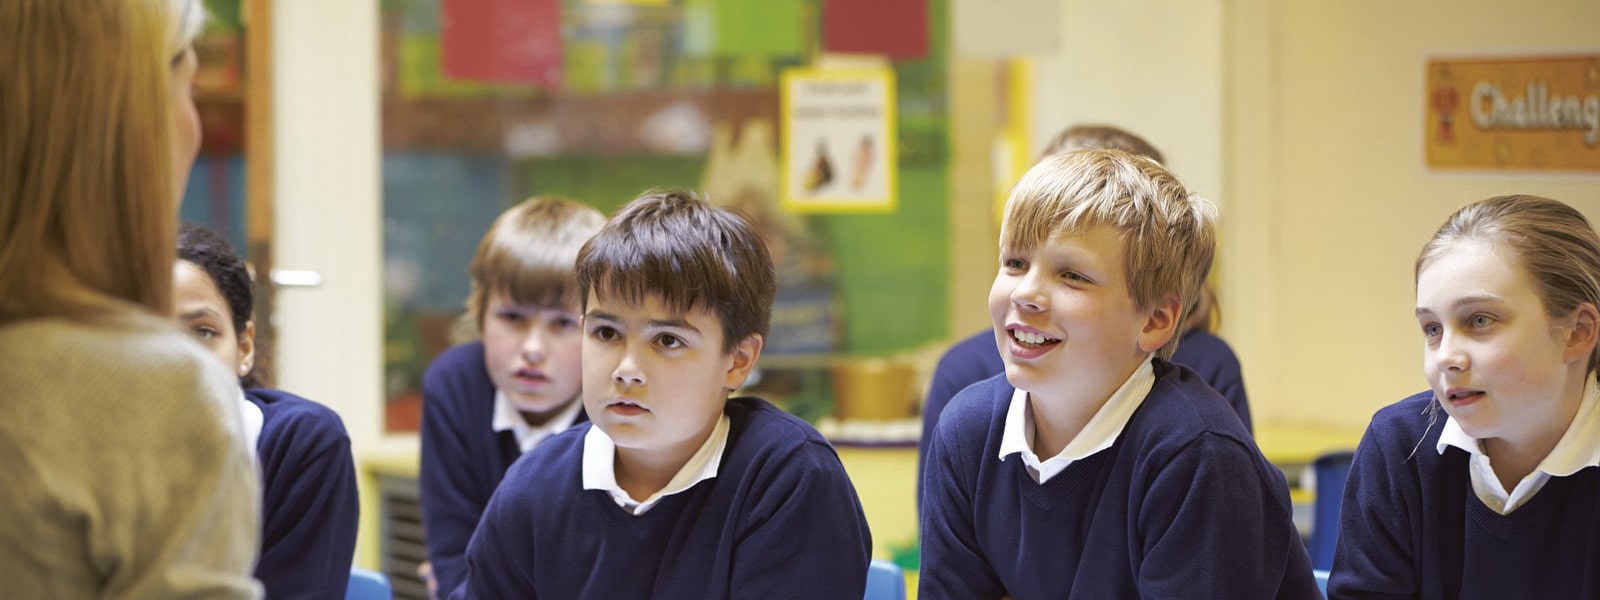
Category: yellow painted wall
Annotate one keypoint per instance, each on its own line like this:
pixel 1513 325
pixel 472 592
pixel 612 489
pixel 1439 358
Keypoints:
pixel 1303 122
pixel 1329 196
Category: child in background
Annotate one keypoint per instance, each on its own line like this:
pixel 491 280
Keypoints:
pixel 1500 499
pixel 978 358
pixel 674 489
pixel 1093 467
pixel 308 478
pixel 486 402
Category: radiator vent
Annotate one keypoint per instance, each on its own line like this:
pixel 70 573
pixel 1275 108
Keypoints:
pixel 401 545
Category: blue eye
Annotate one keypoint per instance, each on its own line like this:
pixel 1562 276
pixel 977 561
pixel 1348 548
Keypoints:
pixel 1013 263
pixel 1481 321
pixel 1431 330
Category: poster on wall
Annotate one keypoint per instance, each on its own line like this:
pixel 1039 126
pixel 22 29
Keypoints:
pixel 838 141
pixel 1539 113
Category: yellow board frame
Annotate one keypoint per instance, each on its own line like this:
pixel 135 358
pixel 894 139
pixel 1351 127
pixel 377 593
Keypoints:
pixel 886 131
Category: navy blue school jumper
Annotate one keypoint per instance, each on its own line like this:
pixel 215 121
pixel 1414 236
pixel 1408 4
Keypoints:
pixel 1182 505
pixel 978 358
pixel 779 520
pixel 463 457
pixel 309 506
pixel 1411 526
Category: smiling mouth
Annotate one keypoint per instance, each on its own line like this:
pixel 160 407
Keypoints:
pixel 1463 395
pixel 1029 339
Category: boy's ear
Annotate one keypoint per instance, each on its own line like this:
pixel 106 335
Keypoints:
pixel 247 348
pixel 1160 324
pixel 1584 334
pixel 744 359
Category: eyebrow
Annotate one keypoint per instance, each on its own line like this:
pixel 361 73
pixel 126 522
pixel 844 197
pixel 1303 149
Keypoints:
pixel 675 322
pixel 1468 301
pixel 195 314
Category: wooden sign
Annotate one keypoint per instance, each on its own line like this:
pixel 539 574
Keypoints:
pixel 1518 114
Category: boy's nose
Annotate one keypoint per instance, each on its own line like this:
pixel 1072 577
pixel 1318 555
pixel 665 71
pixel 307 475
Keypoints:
pixel 1027 294
pixel 628 374
pixel 533 346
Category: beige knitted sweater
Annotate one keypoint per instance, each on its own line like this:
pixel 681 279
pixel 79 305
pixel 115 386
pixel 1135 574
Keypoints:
pixel 123 471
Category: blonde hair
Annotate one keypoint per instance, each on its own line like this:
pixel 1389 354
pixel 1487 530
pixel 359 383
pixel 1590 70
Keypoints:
pixel 529 253
pixel 1100 137
pixel 88 210
pixel 1556 246
pixel 1168 234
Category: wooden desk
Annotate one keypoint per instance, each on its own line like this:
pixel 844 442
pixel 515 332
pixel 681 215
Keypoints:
pixel 1295 445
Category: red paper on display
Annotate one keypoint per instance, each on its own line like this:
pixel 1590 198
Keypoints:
pixel 897 29
pixel 501 41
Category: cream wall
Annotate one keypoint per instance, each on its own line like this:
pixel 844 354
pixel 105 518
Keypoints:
pixel 1331 199
pixel 1303 122
pixel 327 216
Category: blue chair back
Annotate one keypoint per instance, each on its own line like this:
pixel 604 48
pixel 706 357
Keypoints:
pixel 1330 471
pixel 885 581
pixel 368 585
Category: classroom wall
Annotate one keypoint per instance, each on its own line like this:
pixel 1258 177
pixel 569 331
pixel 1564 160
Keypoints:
pixel 327 218
pixel 1331 199
pixel 1302 121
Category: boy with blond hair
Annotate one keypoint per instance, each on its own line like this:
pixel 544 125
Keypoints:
pixel 1093 467
pixel 486 402
pixel 674 490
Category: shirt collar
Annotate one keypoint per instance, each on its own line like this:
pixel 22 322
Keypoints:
pixel 1578 448
pixel 508 418
pixel 1098 434
pixel 254 420
pixel 600 467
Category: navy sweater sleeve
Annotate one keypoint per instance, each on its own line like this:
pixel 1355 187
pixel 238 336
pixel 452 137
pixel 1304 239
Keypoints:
pixel 453 481
pixel 953 564
pixel 310 509
pixel 1374 557
pixel 972 360
pixel 805 521
pixel 1207 506
pixel 496 561
pixel 1215 362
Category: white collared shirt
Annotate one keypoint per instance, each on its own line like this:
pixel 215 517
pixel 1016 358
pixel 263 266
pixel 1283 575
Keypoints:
pixel 1098 434
pixel 508 418
pixel 254 420
pixel 1578 448
pixel 600 467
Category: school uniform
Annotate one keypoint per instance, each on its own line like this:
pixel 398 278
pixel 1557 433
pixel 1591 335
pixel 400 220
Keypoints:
pixel 978 358
pixel 309 505
pixel 471 435
pixel 1424 516
pixel 763 510
pixel 1162 495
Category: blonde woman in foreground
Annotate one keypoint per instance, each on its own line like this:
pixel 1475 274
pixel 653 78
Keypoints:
pixel 123 470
